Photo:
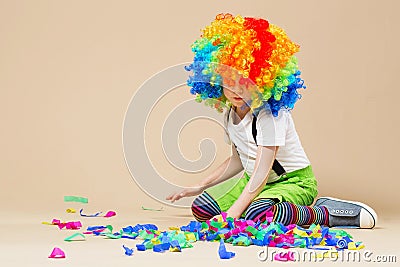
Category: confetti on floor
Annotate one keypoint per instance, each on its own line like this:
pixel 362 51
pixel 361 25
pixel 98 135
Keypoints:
pixel 97 214
pixel 75 237
pixel 57 253
pixel 223 254
pixel 75 199
pixel 237 232
pixel 128 251
pixel 67 225
pixel 222 229
pixel 150 209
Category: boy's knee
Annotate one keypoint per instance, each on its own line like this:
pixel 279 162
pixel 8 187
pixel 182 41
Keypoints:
pixel 193 208
pixel 203 209
pixel 195 211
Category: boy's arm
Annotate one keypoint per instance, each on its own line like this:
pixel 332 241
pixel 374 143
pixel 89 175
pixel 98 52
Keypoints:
pixel 226 170
pixel 265 159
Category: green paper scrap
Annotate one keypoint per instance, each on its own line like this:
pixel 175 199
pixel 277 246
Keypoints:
pixel 73 237
pixel 252 230
pixel 186 244
pixel 303 243
pixel 112 236
pixel 143 234
pixel 110 228
pixel 133 235
pixel 161 209
pixel 312 226
pixel 181 238
pixel 260 234
pixel 75 199
pixel 216 224
pixel 148 245
pixel 275 227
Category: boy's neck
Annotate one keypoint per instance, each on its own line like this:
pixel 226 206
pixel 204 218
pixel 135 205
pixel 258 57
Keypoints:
pixel 241 112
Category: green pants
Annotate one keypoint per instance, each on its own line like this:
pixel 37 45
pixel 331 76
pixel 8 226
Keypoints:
pixel 298 187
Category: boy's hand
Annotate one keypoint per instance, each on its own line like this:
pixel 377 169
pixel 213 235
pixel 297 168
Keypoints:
pixel 188 192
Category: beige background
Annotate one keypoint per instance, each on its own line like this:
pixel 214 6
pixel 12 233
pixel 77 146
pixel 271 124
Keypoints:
pixel 68 70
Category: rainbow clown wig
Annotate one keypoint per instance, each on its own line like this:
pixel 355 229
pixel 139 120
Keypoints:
pixel 252 48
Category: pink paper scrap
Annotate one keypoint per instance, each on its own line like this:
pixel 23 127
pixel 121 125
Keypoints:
pixel 57 253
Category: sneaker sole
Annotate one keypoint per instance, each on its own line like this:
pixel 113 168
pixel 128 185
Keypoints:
pixel 364 206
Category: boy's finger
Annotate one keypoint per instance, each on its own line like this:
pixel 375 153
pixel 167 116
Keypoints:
pixel 175 197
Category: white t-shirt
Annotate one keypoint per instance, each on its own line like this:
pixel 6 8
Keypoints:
pixel 271 131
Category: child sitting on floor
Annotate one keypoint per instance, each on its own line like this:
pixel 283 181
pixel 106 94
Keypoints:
pixel 247 66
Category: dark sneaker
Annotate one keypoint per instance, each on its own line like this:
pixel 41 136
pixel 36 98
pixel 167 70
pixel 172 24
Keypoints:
pixel 348 213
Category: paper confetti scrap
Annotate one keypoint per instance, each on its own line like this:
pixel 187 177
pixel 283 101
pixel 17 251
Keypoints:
pixel 57 253
pixel 67 225
pixel 53 222
pixel 75 237
pixel 161 247
pixel 128 251
pixel 70 225
pixel 71 211
pixel 89 215
pixel 150 209
pixel 110 214
pixel 175 247
pixel 107 215
pixel 75 199
pixel 223 254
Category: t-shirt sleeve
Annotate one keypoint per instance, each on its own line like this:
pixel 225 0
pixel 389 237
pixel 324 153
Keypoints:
pixel 271 131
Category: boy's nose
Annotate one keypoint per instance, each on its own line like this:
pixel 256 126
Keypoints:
pixel 238 91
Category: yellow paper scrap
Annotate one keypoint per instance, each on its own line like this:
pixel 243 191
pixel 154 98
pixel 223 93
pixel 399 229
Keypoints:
pixel 300 232
pixel 174 249
pixel 315 232
pixel 155 241
pixel 190 237
pixel 352 246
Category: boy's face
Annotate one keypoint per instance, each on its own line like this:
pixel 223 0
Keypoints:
pixel 237 96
